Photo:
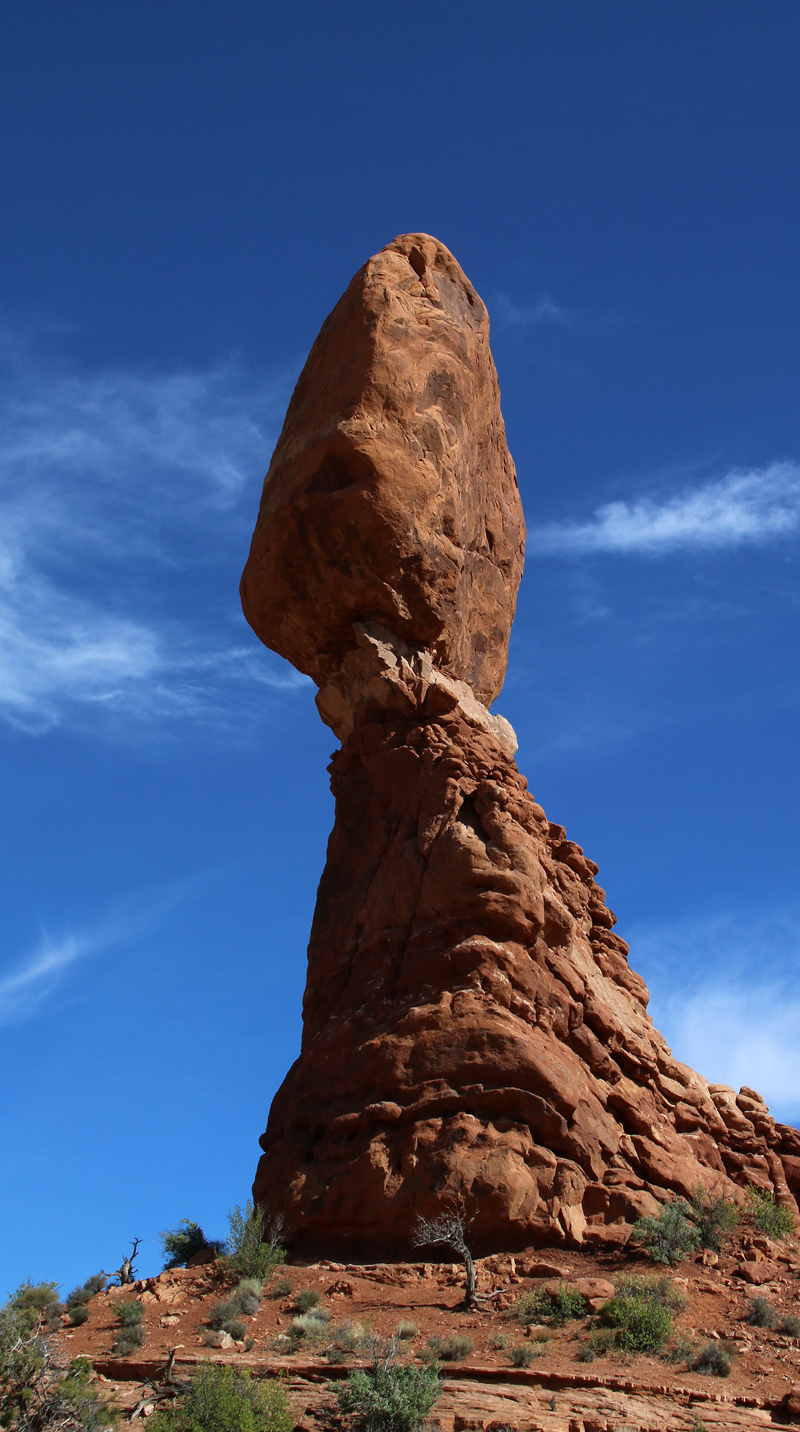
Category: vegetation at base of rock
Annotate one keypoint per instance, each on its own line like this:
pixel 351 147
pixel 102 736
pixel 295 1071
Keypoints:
pixel 448 1349
pixel 714 1360
pixel 226 1399
pixel 670 1237
pixel 307 1299
pixel 244 1301
pixel 524 1354
pixel 406 1331
pixel 640 1314
pixel 537 1305
pixel 35 1305
pixel 389 1398
pixel 131 1335
pixel 767 1215
pixel 715 1217
pixel 790 1325
pixel 253 1248
pixel 78 1300
pixel 181 1243
pixel 35 1394
pixel 761 1313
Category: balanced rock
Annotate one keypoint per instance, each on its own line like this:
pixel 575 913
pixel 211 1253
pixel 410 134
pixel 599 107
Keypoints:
pixel 391 496
pixel 472 1029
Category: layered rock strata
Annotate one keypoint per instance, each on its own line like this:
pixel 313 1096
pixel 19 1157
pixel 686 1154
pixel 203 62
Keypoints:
pixel 472 1029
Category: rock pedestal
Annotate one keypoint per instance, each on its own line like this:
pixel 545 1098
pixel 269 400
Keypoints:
pixel 472 1029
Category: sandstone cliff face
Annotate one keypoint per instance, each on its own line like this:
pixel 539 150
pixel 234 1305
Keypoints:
pixel 472 1028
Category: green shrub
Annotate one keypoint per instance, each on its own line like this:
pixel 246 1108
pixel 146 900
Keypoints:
pixel 586 1353
pixel 557 1308
pixel 36 1395
pixel 671 1236
pixel 761 1313
pixel 129 1312
pixel 226 1399
pixel 35 1305
pixel 307 1299
pixel 714 1360
pixel 181 1243
pixel 639 1314
pixel 715 1217
pixel 766 1214
pixel 250 1251
pixel 499 1341
pixel 656 1286
pixel 247 1296
pixel 406 1331
pixel 456 1349
pixel 389 1398
pixel 128 1340
pixel 790 1325
pixel 87 1290
pixel 79 1298
pixel 313 1326
pixel 281 1288
pixel 522 1355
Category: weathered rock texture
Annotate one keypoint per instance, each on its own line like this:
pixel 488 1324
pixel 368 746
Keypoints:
pixel 472 1028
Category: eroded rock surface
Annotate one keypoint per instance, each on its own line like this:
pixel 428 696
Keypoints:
pixel 472 1027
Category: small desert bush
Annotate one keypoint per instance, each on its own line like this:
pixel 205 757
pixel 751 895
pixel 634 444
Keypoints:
pixel 78 1300
pixel 35 1393
pixel 557 1308
pixel 761 1313
pixel 35 1305
pixel 131 1333
pixel 586 1353
pixel 226 1399
pixel 790 1325
pixel 281 1288
pixel 714 1360
pixel 251 1252
pixel 389 1398
pixel 181 1243
pixel 244 1301
pixel 766 1214
pixel 524 1354
pixel 715 1217
pixel 406 1331
pixel 499 1341
pixel 447 1349
pixel 307 1299
pixel 670 1237
pixel 640 1314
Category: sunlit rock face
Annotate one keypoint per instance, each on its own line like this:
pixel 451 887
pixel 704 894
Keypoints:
pixel 471 1026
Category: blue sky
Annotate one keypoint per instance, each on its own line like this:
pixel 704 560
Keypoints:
pixel 187 191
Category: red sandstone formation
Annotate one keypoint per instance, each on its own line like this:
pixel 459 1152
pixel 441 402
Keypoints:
pixel 472 1028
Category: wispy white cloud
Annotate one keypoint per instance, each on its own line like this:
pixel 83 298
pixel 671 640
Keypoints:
pixel 753 507
pixel 33 978
pixel 122 497
pixel 505 312
pixel 726 994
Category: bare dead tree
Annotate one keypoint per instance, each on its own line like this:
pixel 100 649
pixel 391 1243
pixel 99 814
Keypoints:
pixel 449 1230
pixel 274 1230
pixel 126 1271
